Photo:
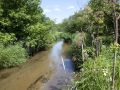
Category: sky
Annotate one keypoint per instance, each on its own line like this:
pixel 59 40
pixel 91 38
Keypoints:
pixel 58 10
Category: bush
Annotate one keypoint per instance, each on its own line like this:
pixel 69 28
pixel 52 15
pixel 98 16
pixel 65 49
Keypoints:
pixel 77 56
pixel 77 50
pixel 97 74
pixel 40 37
pixel 7 38
pixel 65 36
pixel 12 56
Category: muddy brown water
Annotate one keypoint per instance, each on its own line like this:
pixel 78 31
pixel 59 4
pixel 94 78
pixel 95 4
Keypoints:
pixel 37 74
pixel 26 76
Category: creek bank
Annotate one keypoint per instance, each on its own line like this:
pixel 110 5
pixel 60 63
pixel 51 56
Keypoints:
pixel 26 76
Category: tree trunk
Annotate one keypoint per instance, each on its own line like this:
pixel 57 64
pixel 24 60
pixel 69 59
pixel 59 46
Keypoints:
pixel 83 52
pixel 116 41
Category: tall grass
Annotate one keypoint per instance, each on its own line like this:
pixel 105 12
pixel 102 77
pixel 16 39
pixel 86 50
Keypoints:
pixel 97 74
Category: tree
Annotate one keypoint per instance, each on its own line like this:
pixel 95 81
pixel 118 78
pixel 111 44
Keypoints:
pixel 25 19
pixel 115 18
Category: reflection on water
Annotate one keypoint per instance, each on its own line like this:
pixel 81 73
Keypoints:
pixel 60 78
pixel 56 53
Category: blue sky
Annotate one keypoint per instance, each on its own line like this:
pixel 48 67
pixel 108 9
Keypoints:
pixel 58 10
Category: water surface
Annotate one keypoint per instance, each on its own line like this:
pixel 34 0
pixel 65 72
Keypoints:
pixel 62 75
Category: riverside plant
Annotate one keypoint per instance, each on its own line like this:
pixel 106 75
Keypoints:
pixel 12 56
pixel 97 74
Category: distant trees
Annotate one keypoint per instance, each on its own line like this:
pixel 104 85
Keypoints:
pixel 96 20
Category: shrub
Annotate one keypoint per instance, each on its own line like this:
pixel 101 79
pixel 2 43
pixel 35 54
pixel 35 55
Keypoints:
pixel 12 56
pixel 97 74
pixel 7 38
pixel 40 37
pixel 77 56
pixel 77 50
pixel 65 36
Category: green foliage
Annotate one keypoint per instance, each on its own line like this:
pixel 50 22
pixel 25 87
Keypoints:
pixel 96 21
pixel 90 52
pixel 95 18
pixel 12 56
pixel 65 36
pixel 77 22
pixel 77 41
pixel 97 74
pixel 77 56
pixel 38 36
pixel 76 51
pixel 107 40
pixel 6 38
pixel 23 20
pixel 100 5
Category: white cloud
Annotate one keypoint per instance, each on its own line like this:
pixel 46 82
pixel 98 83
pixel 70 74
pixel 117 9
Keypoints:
pixel 47 11
pixel 57 9
pixel 71 7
